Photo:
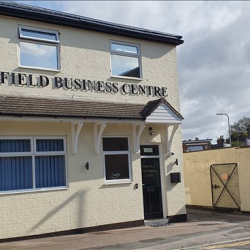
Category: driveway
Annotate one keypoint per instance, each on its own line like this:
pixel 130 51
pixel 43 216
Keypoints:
pixel 202 229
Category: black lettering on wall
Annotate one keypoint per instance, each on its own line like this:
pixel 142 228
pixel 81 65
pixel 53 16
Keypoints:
pixel 4 76
pixel 125 89
pixel 157 91
pixel 43 81
pixel 99 86
pixel 115 87
pixel 68 83
pixel 22 80
pixel 58 82
pixel 164 92
pixel 12 79
pixel 142 89
pixel 77 84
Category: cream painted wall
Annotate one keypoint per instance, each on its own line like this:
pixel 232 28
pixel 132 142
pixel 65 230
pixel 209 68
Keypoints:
pixel 86 55
pixel 197 174
pixel 88 202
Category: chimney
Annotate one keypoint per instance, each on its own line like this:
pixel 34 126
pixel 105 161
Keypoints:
pixel 196 138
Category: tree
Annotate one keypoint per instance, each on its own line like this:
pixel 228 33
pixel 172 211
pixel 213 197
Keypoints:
pixel 239 131
pixel 241 125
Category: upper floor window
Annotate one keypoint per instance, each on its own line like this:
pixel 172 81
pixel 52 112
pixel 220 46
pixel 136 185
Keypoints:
pixel 125 59
pixel 39 48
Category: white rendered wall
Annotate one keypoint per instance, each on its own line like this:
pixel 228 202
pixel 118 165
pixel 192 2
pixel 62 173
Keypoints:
pixel 88 202
pixel 86 55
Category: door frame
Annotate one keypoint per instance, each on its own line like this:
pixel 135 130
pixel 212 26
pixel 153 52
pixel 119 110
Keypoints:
pixel 162 174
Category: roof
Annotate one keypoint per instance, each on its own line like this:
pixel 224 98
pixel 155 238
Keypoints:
pixel 153 105
pixel 69 108
pixel 61 18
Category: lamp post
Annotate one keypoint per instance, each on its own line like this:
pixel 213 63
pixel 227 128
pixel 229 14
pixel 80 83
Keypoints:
pixel 229 130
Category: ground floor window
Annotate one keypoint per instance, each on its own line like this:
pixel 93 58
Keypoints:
pixel 32 163
pixel 116 160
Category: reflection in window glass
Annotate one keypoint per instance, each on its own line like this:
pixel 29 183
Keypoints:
pixel 125 66
pixel 38 55
pixel 38 34
pixel 116 159
pixel 115 144
pixel 125 60
pixel 117 167
pixel 124 48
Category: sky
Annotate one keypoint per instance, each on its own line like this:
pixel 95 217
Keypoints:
pixel 213 62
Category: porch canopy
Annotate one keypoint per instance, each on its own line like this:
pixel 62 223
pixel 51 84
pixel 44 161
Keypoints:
pixel 78 111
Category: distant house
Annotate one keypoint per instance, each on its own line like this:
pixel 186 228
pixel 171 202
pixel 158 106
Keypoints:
pixel 196 145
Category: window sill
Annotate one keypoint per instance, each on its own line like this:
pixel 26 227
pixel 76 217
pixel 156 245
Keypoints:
pixel 117 182
pixel 36 68
pixel 128 78
pixel 38 190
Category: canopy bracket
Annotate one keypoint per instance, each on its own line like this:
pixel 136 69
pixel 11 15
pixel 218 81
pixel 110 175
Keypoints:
pixel 75 132
pixel 170 136
pixel 137 135
pixel 98 131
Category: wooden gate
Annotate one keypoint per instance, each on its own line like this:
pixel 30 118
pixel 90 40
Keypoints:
pixel 225 185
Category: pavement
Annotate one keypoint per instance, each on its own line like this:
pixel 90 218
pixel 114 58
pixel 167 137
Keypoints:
pixel 205 229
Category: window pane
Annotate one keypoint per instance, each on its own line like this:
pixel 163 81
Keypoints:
pixel 115 144
pixel 46 145
pixel 50 171
pixel 15 173
pixel 124 48
pixel 38 34
pixel 38 55
pixel 125 66
pixel 116 167
pixel 11 146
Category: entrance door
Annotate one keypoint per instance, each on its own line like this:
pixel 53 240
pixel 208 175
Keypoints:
pixel 151 182
pixel 225 185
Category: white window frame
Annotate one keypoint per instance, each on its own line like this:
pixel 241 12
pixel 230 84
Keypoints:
pixel 138 55
pixel 33 153
pixel 126 152
pixel 35 40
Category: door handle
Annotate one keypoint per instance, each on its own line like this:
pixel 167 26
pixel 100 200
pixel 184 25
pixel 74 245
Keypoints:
pixel 215 186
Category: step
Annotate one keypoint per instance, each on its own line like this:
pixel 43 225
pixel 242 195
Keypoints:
pixel 156 223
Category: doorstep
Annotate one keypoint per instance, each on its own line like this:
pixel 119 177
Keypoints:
pixel 156 222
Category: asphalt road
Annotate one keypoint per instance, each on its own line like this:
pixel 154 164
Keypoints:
pixel 203 230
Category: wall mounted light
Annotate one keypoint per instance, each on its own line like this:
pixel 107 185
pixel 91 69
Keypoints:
pixel 150 131
pixel 176 162
pixel 87 165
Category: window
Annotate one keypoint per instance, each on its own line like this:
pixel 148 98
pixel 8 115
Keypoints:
pixel 125 60
pixel 32 163
pixel 39 48
pixel 116 160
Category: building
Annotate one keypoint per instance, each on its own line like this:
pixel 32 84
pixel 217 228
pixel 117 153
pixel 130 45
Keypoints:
pixel 90 124
pixel 196 145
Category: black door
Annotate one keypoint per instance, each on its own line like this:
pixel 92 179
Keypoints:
pixel 151 188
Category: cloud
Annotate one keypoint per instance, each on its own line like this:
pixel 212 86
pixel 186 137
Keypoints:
pixel 213 63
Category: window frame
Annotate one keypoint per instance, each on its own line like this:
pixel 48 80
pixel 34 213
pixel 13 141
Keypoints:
pixel 138 55
pixel 127 152
pixel 41 41
pixel 33 153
